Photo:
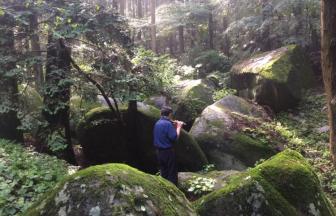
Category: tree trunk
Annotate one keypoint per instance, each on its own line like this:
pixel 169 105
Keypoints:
pixel 153 27
pixel 122 7
pixel 211 31
pixel 328 43
pixel 129 8
pixel 115 4
pixel 36 52
pixel 8 84
pixel 139 15
pixel 181 38
pixel 57 95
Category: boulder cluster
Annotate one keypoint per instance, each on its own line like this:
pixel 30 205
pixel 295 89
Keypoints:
pixel 253 172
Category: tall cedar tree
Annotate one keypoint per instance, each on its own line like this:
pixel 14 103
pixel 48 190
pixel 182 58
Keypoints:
pixel 57 94
pixel 328 34
pixel 8 83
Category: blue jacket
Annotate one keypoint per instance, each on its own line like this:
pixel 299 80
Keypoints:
pixel 164 133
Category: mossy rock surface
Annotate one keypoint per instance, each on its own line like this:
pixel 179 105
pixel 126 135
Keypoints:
pixel 103 140
pixel 112 189
pixel 222 131
pixel 274 78
pixel 193 96
pixel 283 185
pixel 291 175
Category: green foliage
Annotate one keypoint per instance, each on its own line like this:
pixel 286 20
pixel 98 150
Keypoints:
pixel 262 26
pixel 24 176
pixel 210 61
pixel 56 142
pixel 208 168
pixel 201 185
pixel 155 74
pixel 217 95
pixel 308 127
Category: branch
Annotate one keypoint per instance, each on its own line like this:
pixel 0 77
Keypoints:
pixel 95 83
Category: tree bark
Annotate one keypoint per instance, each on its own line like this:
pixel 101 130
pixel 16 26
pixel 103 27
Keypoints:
pixel 35 49
pixel 181 38
pixel 8 83
pixel 328 57
pixel 153 27
pixel 139 15
pixel 211 31
pixel 122 7
pixel 57 94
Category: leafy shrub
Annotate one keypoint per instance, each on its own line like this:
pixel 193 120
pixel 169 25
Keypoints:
pixel 201 185
pixel 208 168
pixel 24 176
pixel 154 74
pixel 305 125
pixel 217 95
pixel 210 61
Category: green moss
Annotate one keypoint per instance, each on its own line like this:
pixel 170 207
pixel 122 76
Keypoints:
pixel 249 149
pixel 290 187
pixel 295 179
pixel 133 192
pixel 99 134
pixel 193 98
pixel 245 195
pixel 278 65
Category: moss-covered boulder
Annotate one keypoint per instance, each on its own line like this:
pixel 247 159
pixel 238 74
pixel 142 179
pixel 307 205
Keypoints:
pixel 112 189
pixel 283 185
pixel 275 78
pixel 192 97
pixel 232 134
pixel 103 140
pixel 79 106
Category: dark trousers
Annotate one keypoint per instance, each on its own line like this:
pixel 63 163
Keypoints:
pixel 167 163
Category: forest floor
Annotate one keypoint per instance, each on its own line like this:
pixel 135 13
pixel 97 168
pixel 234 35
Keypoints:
pixel 310 124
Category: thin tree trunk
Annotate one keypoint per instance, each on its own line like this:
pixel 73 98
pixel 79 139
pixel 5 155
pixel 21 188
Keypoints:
pixel 328 43
pixel 129 8
pixel 139 15
pixel 35 48
pixel 122 7
pixel 153 27
pixel 211 31
pixel 181 38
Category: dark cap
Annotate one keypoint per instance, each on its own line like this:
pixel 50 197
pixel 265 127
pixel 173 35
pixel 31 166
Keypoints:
pixel 166 110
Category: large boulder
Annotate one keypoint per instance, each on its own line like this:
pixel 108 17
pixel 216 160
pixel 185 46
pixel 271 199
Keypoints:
pixel 232 135
pixel 104 140
pixel 112 189
pixel 275 78
pixel 283 185
pixel 192 97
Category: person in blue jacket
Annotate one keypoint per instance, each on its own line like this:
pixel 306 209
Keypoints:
pixel 166 132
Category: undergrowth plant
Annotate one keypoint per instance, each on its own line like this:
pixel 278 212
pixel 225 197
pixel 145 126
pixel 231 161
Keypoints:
pixel 309 125
pixel 24 176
